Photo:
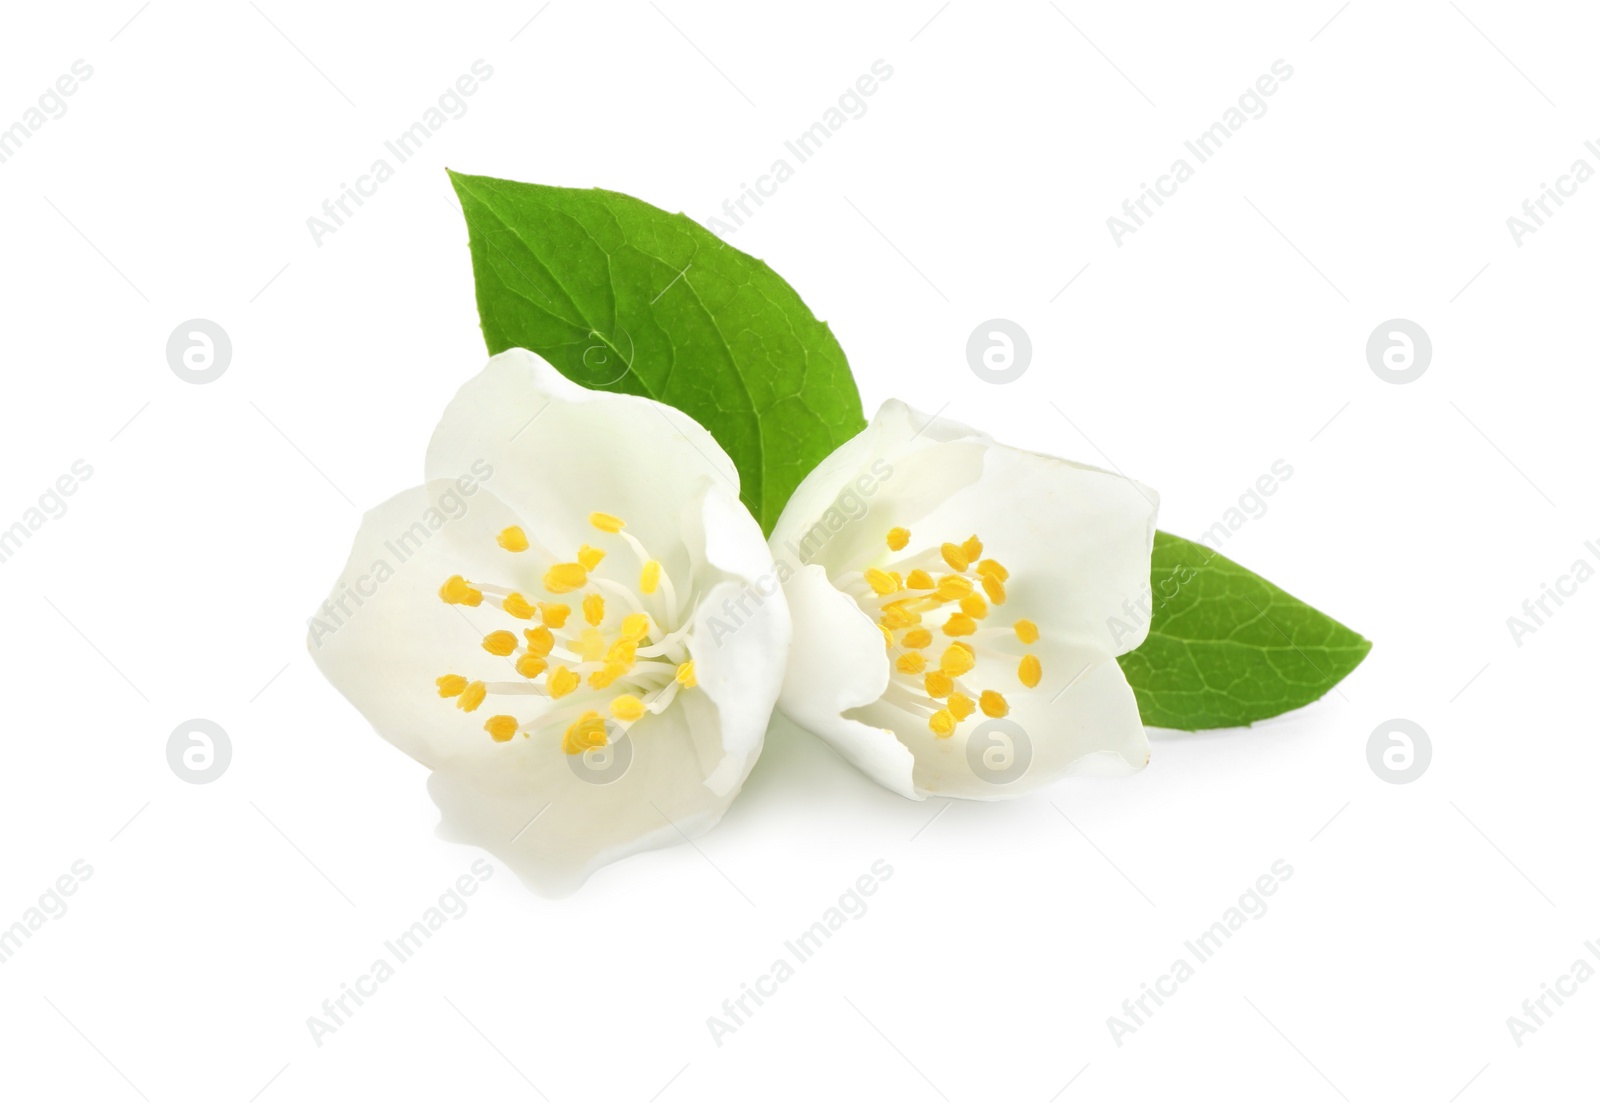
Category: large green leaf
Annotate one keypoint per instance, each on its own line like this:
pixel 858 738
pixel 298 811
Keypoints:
pixel 623 296
pixel 1228 648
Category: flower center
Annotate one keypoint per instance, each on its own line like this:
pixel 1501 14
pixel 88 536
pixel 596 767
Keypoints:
pixel 625 655
pixel 932 606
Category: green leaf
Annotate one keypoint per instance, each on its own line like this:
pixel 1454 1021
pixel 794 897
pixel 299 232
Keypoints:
pixel 1228 648
pixel 622 296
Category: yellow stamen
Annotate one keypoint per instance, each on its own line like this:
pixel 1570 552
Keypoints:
pixel 972 548
pixel 917 638
pixel 594 608
pixel 938 684
pixel 625 707
pixel 898 537
pixel 973 606
pixel 1029 670
pixel 943 723
pixel 881 581
pixel 561 681
pixel 589 731
pixel 957 659
pixel 530 666
pixel 554 614
pixel 635 627
pixel 591 645
pixel 517 606
pixel 512 539
pixel 622 652
pixel 686 674
pixel 994 589
pixel 953 587
pixel 590 557
pixel 961 706
pixel 451 685
pixel 458 592
pixel 502 642
pixel 896 616
pixel 993 568
pixel 1027 632
pixel 540 640
pixel 953 556
pixel 960 625
pixel 606 523
pixel 911 662
pixel 562 578
pixel 502 727
pixel 607 675
pixel 650 577
pixel 993 703
pixel 473 696
pixel 919 580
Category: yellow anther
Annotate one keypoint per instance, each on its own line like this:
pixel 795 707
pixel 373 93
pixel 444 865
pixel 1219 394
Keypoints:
pixel 993 568
pixel 589 731
pixel 943 723
pixel 1029 671
pixel 993 703
pixel 957 659
pixel 606 523
pixel 898 537
pixel 973 606
pixel 686 674
pixel 919 580
pixel 938 684
pixel 994 589
pixel 591 645
pixel 458 592
pixel 554 614
pixel 451 685
pixel 607 675
pixel 561 681
pixel 512 539
pixel 896 616
pixel 953 587
pixel 953 556
pixel 540 640
pixel 625 707
pixel 960 625
pixel 473 696
pixel 972 548
pixel 635 627
pixel 517 606
pixel 502 642
pixel 911 662
pixel 502 727
pixel 961 706
pixel 594 608
pixel 650 577
pixel 1027 632
pixel 899 583
pixel 530 666
pixel 881 581
pixel 562 578
pixel 917 638
pixel 590 557
pixel 622 652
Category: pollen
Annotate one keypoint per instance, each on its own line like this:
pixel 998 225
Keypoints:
pixel 993 568
pixel 957 660
pixel 938 684
pixel 650 577
pixel 896 616
pixel 961 706
pixel 502 642
pixel 995 589
pixel 881 581
pixel 594 608
pixel 530 666
pixel 562 578
pixel 1029 672
pixel 897 538
pixel 960 625
pixel 686 674
pixel 625 707
pixel 502 727
pixel 590 557
pixel 561 681
pixel 614 670
pixel 943 723
pixel 473 696
pixel 451 685
pixel 512 539
pixel 1027 632
pixel 517 606
pixel 917 638
pixel 973 606
pixel 993 703
pixel 911 662
pixel 919 580
pixel 540 640
pixel 953 587
pixel 589 731
pixel 554 614
pixel 458 592
pixel 606 523
pixel 953 556
pixel 972 548
pixel 635 627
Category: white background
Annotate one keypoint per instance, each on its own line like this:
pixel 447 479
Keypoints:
pixel 1226 334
